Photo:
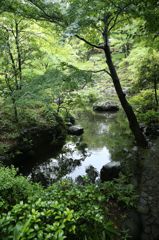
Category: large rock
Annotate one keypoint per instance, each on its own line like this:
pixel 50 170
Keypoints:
pixel 106 107
pixel 110 171
pixel 75 130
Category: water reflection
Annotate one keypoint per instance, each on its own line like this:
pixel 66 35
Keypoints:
pixel 97 158
pixel 64 163
pixel 79 153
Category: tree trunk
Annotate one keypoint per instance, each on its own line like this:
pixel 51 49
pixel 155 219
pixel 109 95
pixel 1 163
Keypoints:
pixel 133 123
pixel 12 97
pixel 15 109
pixel 155 88
pixel 19 60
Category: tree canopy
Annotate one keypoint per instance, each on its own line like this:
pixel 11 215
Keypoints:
pixel 97 24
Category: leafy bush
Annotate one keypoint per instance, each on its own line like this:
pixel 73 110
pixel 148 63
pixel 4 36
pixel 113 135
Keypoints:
pixel 14 188
pixel 87 204
pixel 65 210
pixel 81 99
pixel 38 220
pixel 143 101
pixel 144 104
pixel 149 117
pixel 129 66
pixel 148 71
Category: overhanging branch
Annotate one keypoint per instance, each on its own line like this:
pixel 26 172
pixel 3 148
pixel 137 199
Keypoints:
pixel 101 70
pixel 89 43
pixel 52 18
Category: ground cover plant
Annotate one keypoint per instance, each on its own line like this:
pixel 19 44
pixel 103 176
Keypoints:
pixel 64 210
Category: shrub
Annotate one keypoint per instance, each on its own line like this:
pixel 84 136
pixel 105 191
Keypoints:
pixel 149 117
pixel 38 220
pixel 143 101
pixel 65 210
pixel 14 188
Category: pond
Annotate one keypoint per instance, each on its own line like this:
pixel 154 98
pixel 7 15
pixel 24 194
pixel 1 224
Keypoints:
pixel 79 152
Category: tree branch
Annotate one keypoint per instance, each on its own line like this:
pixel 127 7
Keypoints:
pixel 102 70
pixel 54 18
pixel 89 43
pixel 118 12
pixel 115 21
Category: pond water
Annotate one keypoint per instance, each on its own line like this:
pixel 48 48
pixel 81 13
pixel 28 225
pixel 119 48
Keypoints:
pixel 79 152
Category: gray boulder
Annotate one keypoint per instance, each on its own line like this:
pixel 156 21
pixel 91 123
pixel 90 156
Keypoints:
pixel 110 171
pixel 75 130
pixel 106 107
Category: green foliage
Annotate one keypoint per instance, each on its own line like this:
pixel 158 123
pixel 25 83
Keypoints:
pixel 129 66
pixel 148 9
pixel 80 100
pixel 14 188
pixel 38 220
pixel 53 69
pixel 31 112
pixel 86 201
pixel 150 117
pixel 141 74
pixel 145 106
pixel 149 71
pixel 64 210
pixel 143 101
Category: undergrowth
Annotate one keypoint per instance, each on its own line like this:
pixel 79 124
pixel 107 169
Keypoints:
pixel 64 210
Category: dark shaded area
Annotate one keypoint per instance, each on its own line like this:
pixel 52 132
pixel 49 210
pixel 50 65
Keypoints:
pixel 34 145
pixel 110 171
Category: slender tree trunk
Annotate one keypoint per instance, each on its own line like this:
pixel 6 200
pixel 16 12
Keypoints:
pixel 13 65
pixel 133 123
pixel 11 93
pixel 155 88
pixel 19 59
pixel 15 109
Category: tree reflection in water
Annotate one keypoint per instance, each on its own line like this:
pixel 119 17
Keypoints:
pixel 71 156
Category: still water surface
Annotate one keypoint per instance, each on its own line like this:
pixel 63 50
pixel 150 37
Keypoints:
pixel 80 152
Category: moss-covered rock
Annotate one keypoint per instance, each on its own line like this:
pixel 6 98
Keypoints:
pixel 34 142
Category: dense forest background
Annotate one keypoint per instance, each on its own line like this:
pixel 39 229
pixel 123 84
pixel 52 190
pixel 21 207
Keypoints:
pixel 59 58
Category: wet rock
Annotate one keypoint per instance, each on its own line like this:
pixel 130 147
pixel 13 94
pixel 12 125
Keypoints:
pixel 92 174
pixel 110 171
pixel 106 107
pixel 75 130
